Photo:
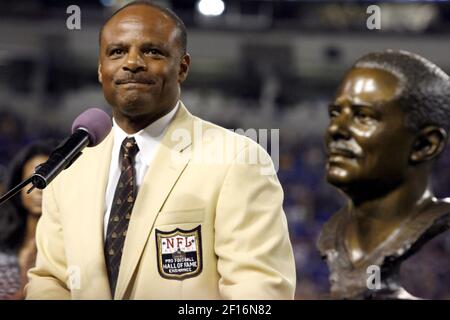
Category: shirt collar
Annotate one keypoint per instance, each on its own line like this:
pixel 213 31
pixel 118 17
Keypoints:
pixel 147 138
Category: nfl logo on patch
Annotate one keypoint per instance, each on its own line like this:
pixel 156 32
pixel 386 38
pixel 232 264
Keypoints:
pixel 179 253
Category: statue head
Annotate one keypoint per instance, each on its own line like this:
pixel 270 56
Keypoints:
pixel 390 118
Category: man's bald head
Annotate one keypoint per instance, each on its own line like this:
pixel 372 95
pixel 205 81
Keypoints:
pixel 182 33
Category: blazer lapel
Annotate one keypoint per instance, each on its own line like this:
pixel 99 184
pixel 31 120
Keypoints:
pixel 164 171
pixel 94 210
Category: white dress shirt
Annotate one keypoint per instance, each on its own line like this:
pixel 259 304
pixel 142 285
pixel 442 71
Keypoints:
pixel 148 141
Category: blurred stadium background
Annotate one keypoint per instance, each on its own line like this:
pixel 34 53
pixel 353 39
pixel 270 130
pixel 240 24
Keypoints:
pixel 255 64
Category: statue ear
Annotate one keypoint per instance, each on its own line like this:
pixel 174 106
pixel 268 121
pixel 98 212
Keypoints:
pixel 428 144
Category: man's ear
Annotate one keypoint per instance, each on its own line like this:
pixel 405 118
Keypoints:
pixel 184 68
pixel 99 73
pixel 428 144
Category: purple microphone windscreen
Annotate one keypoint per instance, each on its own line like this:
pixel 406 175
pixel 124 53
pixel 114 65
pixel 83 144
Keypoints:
pixel 96 122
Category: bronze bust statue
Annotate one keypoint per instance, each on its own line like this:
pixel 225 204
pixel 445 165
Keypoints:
pixel 389 121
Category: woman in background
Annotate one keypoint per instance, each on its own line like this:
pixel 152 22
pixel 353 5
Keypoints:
pixel 18 220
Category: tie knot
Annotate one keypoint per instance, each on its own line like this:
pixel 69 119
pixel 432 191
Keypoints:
pixel 129 148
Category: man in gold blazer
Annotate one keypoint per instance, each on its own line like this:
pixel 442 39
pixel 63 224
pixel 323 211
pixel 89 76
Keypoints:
pixel 168 206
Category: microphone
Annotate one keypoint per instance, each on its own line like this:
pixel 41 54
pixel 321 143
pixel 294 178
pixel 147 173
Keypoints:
pixel 88 130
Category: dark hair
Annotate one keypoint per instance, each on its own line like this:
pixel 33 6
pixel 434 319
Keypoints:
pixel 424 91
pixel 13 215
pixel 175 18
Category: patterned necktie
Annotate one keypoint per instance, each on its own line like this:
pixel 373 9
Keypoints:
pixel 121 209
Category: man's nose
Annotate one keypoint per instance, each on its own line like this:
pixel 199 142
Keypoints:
pixel 339 127
pixel 134 62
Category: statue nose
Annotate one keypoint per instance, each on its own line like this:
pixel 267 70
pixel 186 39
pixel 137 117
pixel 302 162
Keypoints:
pixel 339 127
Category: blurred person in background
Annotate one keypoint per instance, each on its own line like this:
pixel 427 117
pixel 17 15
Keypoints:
pixel 18 220
pixel 12 135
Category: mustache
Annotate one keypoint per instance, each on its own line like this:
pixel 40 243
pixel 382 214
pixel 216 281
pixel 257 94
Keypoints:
pixel 134 78
pixel 349 147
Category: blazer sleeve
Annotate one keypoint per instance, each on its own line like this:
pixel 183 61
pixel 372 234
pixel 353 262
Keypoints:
pixel 47 280
pixel 255 257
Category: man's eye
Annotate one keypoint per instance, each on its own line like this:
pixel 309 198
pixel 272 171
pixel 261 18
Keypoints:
pixel 152 52
pixel 116 52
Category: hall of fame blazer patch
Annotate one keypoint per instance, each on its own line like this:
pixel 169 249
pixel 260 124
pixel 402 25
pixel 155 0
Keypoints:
pixel 179 253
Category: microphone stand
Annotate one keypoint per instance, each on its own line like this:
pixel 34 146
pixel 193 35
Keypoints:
pixel 11 193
